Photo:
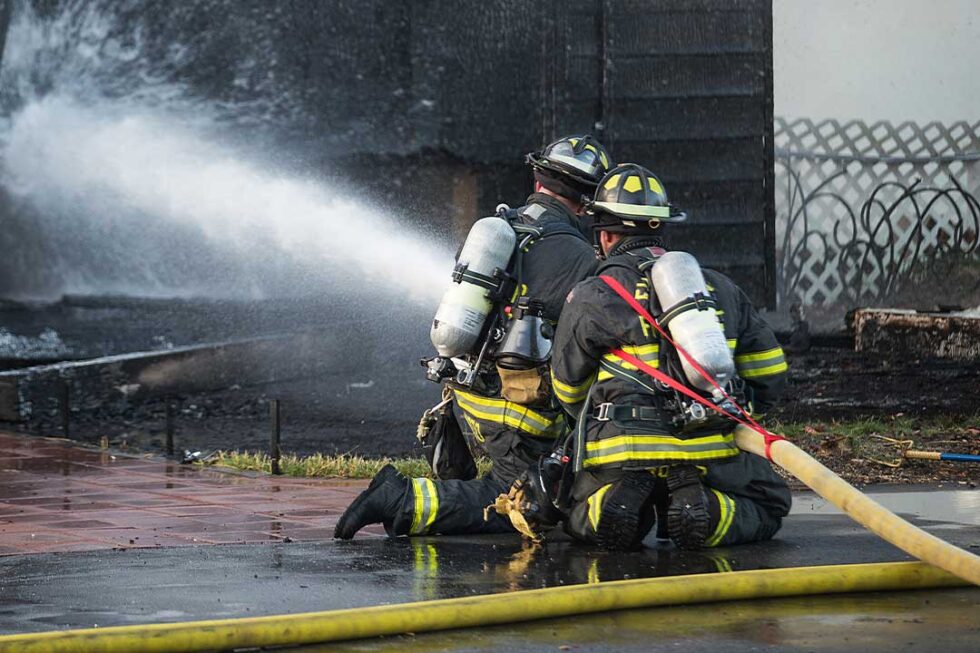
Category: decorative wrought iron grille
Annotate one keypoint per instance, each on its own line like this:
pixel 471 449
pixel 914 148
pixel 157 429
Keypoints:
pixel 859 207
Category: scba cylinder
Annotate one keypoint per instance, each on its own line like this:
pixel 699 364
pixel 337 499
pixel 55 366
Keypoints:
pixel 692 323
pixel 466 304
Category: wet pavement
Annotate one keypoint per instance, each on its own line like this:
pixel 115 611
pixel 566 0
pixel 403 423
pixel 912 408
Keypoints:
pixel 136 583
pixel 41 592
pixel 55 496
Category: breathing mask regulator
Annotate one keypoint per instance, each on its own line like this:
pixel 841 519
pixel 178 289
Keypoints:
pixel 526 342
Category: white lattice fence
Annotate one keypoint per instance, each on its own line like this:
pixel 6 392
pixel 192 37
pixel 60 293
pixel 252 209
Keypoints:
pixel 858 206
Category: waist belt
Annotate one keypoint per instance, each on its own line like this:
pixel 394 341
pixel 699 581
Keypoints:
pixel 608 411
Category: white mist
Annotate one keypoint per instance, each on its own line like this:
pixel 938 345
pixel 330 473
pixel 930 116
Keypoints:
pixel 125 182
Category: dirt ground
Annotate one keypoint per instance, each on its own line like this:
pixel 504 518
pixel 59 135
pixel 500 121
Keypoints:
pixel 863 459
pixel 837 383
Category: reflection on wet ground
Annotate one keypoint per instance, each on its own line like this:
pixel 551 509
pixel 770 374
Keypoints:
pixel 955 507
pixel 59 497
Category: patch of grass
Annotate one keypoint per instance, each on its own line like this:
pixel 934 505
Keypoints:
pixel 322 466
pixel 854 437
pixel 897 426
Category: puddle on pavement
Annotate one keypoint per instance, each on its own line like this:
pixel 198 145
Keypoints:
pixel 961 507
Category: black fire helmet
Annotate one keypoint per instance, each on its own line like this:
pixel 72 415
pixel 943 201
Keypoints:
pixel 631 199
pixel 571 166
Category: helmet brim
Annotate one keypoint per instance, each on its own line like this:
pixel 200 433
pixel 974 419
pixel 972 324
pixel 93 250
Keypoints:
pixel 657 213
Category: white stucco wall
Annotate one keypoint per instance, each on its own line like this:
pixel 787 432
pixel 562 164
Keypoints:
pixel 877 59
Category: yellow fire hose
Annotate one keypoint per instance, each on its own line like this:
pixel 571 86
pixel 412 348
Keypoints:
pixel 511 607
pixel 292 630
pixel 862 509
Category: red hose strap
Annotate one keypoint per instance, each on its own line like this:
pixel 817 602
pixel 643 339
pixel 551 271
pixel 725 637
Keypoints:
pixel 673 383
pixel 745 420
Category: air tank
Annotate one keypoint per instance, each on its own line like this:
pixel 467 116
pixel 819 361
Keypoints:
pixel 676 277
pixel 466 304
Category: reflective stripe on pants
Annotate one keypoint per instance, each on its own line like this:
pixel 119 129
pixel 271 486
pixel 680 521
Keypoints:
pixel 426 505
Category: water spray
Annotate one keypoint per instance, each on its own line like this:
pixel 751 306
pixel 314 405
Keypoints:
pixel 134 185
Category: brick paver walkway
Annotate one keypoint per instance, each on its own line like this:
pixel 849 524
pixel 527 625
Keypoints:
pixel 55 496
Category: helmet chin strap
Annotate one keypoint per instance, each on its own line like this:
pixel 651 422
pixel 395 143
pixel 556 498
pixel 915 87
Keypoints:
pixel 597 241
pixel 596 244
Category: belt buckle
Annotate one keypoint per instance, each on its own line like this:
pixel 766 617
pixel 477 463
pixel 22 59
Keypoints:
pixel 602 414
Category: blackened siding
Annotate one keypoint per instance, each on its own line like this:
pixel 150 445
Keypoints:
pixel 685 88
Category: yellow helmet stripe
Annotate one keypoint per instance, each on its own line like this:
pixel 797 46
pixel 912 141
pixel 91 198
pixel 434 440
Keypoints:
pixel 611 182
pixel 632 184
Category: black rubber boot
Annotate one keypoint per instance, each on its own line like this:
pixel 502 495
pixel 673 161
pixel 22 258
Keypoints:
pixel 689 519
pixel 628 513
pixel 379 503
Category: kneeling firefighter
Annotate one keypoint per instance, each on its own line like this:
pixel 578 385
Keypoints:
pixel 492 333
pixel 653 445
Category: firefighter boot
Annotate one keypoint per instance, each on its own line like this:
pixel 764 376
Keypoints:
pixel 692 514
pixel 379 503
pixel 628 513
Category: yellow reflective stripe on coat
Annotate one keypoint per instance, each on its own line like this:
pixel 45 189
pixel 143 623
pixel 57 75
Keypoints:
pixel 727 508
pixel 426 505
pixel 508 413
pixel 595 506
pixel 762 363
pixel 649 354
pixel 653 449
pixel 569 393
pixel 627 372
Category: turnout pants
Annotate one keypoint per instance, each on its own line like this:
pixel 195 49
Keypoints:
pixel 752 500
pixel 450 508
pixel 456 507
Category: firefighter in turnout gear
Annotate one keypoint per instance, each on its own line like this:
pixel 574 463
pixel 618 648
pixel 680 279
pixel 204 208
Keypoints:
pixel 508 407
pixel 647 456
